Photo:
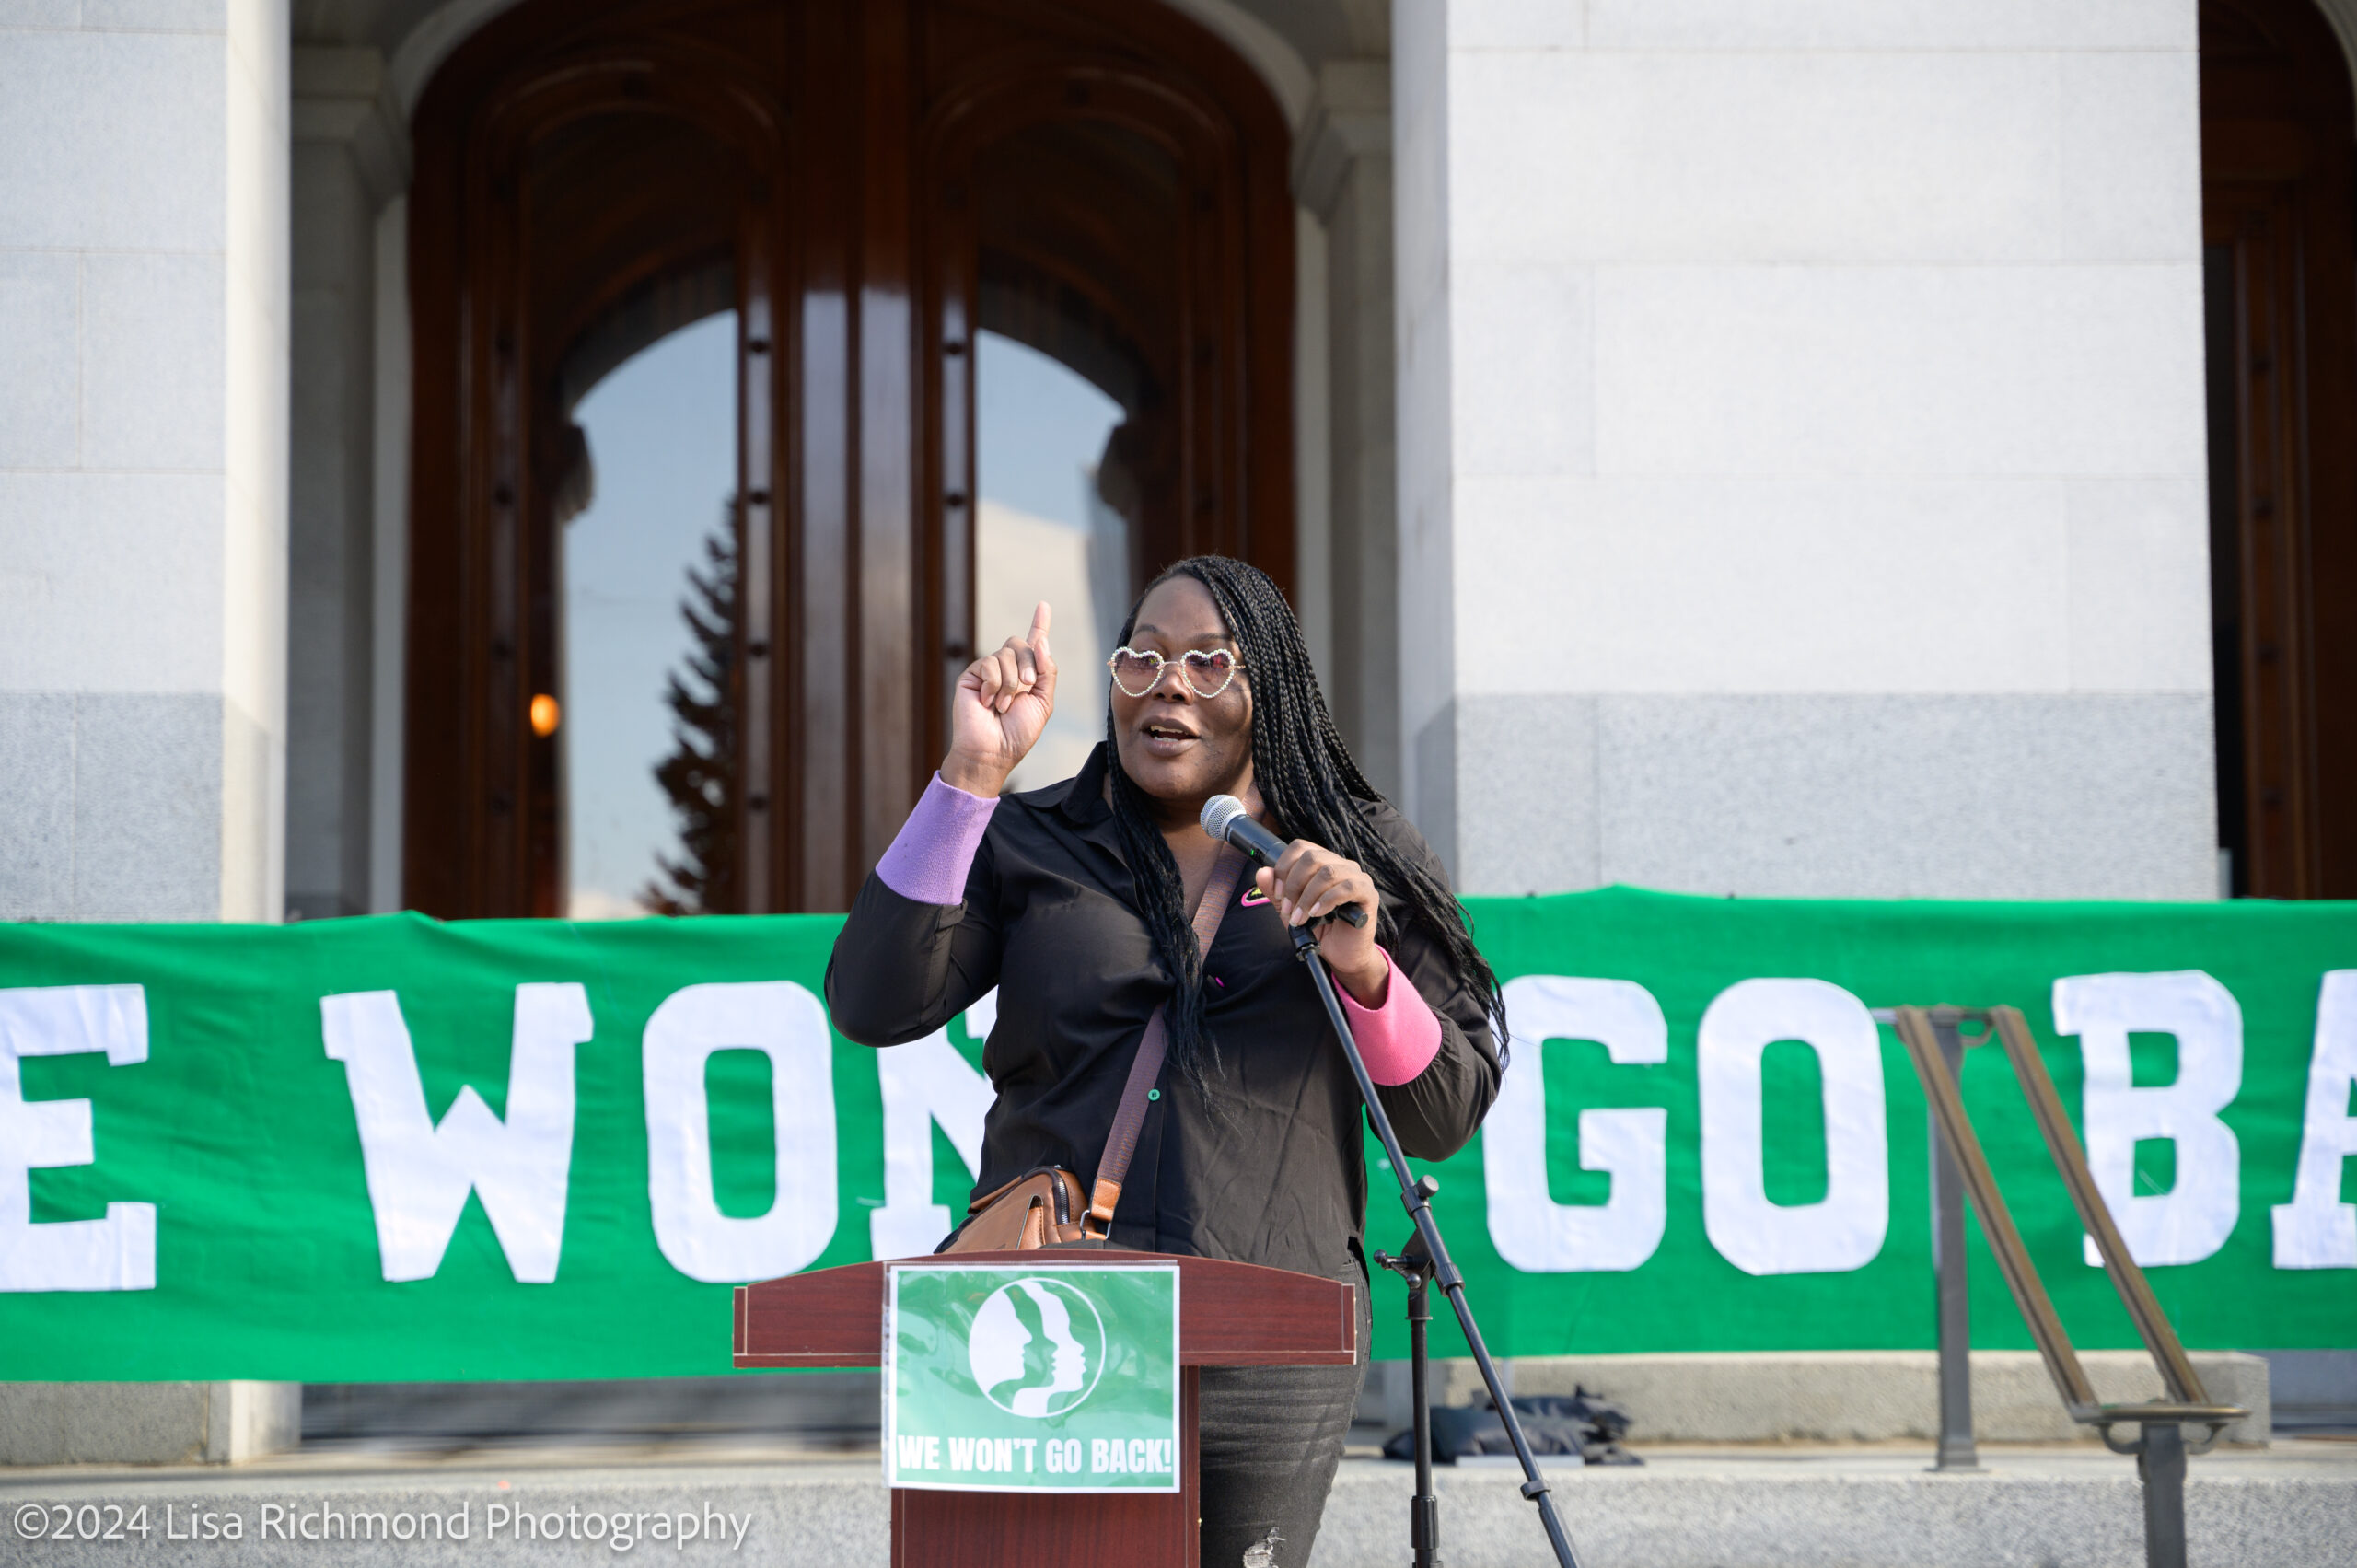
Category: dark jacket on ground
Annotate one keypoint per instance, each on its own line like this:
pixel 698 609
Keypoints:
pixel 1270 1167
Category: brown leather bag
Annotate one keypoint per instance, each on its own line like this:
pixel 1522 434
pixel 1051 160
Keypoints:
pixel 1038 1208
pixel 1042 1207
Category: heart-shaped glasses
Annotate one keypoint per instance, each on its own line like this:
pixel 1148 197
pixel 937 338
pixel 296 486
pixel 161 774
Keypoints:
pixel 1206 671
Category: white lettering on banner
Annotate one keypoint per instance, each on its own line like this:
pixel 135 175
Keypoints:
pixel 1116 1456
pixel 1845 1228
pixel 114 1253
pixel 786 1023
pixel 2315 1229
pixel 987 1455
pixel 2192 1219
pixel 923 1081
pixel 1531 1231
pixel 1140 1456
pixel 419 1174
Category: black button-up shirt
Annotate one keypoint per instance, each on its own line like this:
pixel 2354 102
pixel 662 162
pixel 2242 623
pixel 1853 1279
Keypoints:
pixel 1268 1167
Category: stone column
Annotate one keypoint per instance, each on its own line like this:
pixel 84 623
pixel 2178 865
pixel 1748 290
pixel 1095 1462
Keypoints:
pixel 143 462
pixel 351 159
pixel 1425 393
pixel 1342 174
pixel 143 343
pixel 1802 468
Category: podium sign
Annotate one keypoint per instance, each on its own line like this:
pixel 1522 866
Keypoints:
pixel 1018 1513
pixel 1032 1378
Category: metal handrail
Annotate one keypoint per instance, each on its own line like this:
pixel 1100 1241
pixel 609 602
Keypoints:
pixel 2159 1447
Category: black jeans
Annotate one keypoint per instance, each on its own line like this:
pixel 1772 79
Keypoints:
pixel 1271 1439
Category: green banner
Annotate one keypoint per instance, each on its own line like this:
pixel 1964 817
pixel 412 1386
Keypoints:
pixel 389 1148
pixel 1032 1379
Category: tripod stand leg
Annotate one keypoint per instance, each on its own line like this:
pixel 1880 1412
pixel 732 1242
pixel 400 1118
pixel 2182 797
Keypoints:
pixel 1423 1509
pixel 1424 1526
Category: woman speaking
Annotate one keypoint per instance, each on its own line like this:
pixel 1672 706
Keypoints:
pixel 1082 903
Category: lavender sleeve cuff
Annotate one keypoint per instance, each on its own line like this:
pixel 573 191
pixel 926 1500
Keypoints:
pixel 1399 1039
pixel 928 862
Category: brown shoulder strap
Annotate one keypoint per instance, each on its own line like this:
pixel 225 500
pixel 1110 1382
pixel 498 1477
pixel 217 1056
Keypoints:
pixel 1130 1119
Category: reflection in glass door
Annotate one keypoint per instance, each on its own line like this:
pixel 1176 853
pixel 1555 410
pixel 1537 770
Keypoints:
pixel 648 584
pixel 870 188
pixel 1044 532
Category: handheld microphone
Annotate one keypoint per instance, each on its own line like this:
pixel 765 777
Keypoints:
pixel 1225 818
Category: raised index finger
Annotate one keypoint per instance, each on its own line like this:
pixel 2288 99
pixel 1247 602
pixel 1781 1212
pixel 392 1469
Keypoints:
pixel 1039 623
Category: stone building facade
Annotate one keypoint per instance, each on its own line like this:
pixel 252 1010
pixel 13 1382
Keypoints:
pixel 1764 449
pixel 1747 450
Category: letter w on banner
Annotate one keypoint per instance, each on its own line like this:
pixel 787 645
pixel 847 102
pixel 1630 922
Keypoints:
pixel 419 1174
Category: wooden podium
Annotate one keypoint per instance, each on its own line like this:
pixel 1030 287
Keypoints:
pixel 1229 1315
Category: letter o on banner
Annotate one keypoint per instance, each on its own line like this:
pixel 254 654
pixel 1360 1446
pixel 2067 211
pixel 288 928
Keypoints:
pixel 1845 1228
pixel 786 1024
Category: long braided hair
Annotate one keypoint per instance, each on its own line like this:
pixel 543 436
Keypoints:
pixel 1311 786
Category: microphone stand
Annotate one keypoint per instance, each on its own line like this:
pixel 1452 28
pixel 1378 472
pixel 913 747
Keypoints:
pixel 1427 1260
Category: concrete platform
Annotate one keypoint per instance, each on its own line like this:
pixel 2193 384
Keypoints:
pixel 1873 1507
pixel 1855 1397
pixel 1828 1506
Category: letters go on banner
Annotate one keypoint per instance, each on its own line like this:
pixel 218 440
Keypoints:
pixel 392 1148
pixel 1032 1379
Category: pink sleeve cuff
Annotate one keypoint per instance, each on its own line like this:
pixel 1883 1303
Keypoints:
pixel 928 862
pixel 1399 1039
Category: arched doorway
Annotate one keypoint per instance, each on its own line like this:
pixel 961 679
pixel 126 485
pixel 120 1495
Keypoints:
pixel 864 189
pixel 2281 290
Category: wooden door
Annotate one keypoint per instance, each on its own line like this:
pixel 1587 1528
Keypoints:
pixel 866 185
pixel 2277 208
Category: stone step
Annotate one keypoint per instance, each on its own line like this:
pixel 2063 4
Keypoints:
pixel 1835 1396
pixel 2294 1507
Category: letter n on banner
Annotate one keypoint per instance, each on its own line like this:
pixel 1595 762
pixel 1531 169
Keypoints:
pixel 924 1082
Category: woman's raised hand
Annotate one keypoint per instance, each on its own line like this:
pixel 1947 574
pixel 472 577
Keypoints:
pixel 1003 704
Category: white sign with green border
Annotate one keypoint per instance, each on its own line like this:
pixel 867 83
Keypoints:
pixel 1047 1377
